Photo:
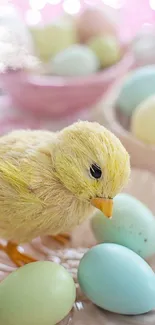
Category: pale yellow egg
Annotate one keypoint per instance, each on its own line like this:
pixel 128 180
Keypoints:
pixel 106 48
pixel 53 38
pixel 143 121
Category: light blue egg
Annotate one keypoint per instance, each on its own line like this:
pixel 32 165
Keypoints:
pixel 117 279
pixel 138 86
pixel 77 60
pixel 132 225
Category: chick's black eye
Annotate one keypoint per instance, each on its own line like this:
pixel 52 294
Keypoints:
pixel 95 171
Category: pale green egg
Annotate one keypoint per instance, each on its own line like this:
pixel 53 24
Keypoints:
pixel 137 86
pixel 40 293
pixel 143 121
pixel 76 60
pixel 115 278
pixel 106 48
pixel 132 225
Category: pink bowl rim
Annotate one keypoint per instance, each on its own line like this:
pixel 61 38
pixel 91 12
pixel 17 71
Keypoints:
pixel 50 81
pixel 114 124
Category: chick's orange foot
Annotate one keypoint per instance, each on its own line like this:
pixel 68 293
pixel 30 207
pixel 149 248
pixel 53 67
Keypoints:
pixel 62 239
pixel 18 258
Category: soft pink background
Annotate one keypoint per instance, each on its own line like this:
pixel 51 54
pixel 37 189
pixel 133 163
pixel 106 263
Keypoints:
pixel 133 13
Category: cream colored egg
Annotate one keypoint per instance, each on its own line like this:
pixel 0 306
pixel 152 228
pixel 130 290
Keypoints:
pixel 106 48
pixel 93 22
pixel 53 38
pixel 143 121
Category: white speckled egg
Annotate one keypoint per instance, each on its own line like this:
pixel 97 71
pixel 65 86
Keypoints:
pixel 137 86
pixel 40 293
pixel 132 225
pixel 143 121
pixel 117 279
pixel 77 60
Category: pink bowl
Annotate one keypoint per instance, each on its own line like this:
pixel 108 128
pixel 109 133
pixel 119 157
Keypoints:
pixel 59 96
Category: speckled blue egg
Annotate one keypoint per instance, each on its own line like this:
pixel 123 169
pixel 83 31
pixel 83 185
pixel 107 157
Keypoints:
pixel 137 86
pixel 132 225
pixel 115 278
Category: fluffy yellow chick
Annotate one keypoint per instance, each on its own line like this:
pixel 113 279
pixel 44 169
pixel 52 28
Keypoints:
pixel 50 182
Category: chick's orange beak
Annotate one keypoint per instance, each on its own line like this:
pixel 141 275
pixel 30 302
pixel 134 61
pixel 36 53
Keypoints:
pixel 105 205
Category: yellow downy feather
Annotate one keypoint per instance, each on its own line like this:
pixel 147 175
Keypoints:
pixel 45 181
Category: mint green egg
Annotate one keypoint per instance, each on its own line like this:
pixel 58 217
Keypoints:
pixel 137 86
pixel 40 293
pixel 115 278
pixel 76 60
pixel 132 225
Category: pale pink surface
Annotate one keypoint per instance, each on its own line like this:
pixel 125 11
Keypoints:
pixel 12 118
pixel 56 96
pixel 132 14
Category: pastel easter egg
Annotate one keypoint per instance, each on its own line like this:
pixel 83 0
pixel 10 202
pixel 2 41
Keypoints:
pixel 143 121
pixel 38 293
pixel 77 60
pixel 132 225
pixel 115 278
pixel 93 22
pixel 137 86
pixel 107 49
pixel 53 38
